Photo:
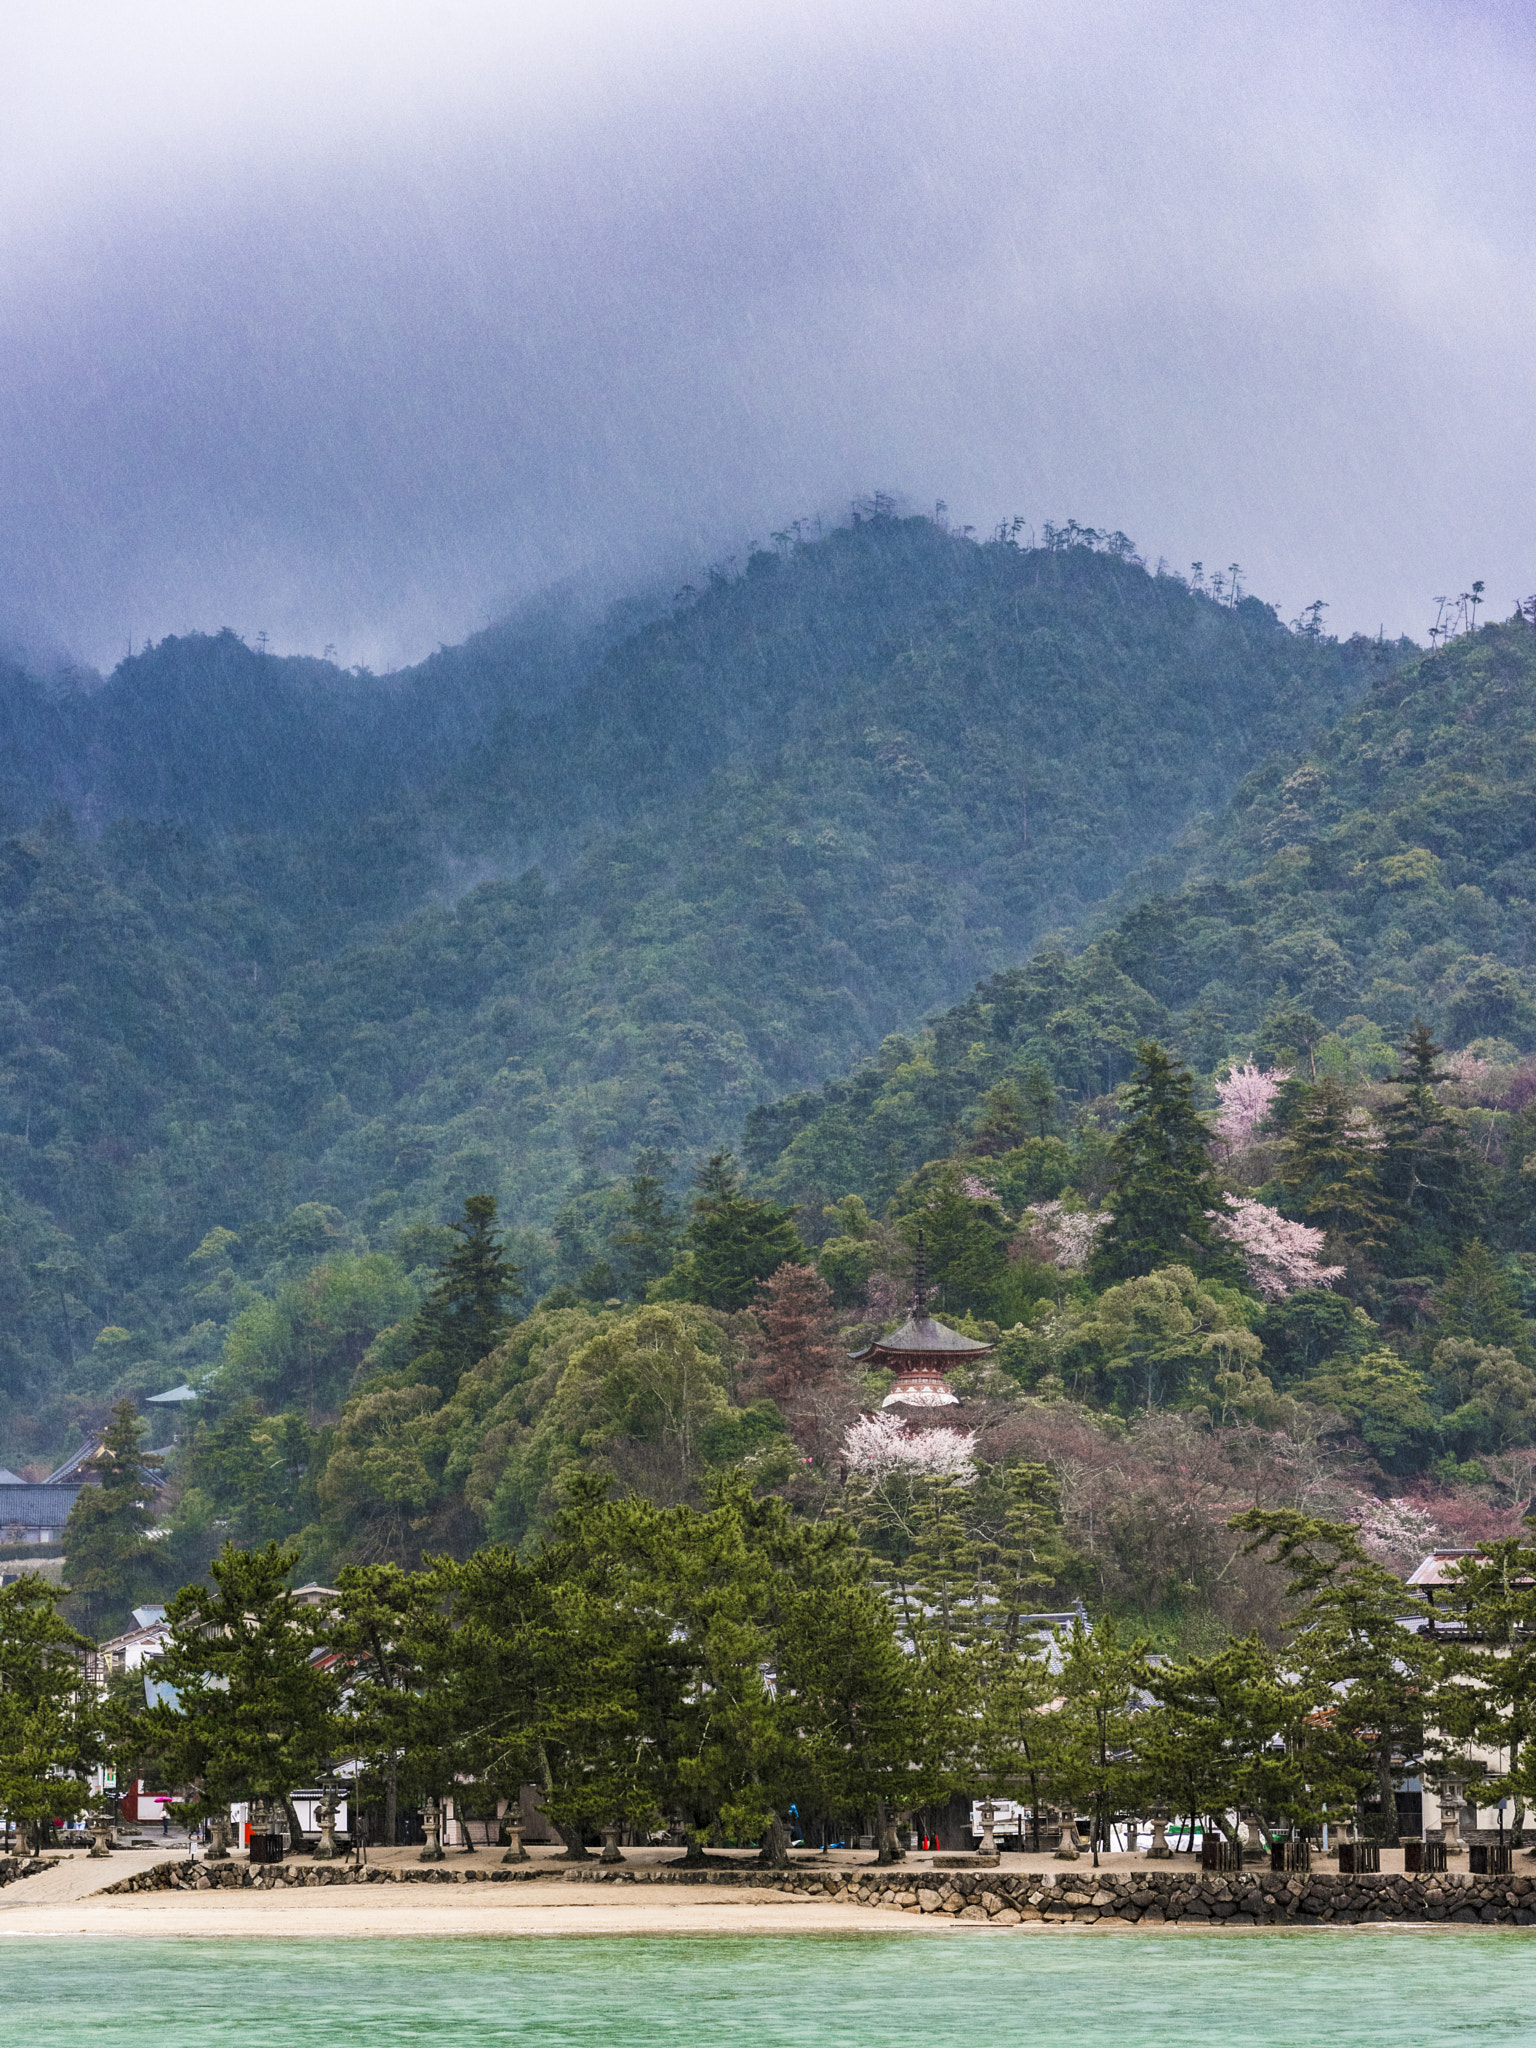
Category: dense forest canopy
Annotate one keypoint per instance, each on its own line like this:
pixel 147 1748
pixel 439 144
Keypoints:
pixel 1157 971
pixel 291 963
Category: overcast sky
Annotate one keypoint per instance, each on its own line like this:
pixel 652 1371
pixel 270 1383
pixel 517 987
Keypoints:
pixel 354 323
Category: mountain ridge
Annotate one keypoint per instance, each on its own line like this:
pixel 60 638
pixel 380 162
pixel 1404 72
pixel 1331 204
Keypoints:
pixel 793 814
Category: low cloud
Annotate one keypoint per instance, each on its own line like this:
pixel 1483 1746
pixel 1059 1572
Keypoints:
pixel 355 325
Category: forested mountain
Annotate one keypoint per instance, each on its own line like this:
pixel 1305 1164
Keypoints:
pixel 1385 872
pixel 293 962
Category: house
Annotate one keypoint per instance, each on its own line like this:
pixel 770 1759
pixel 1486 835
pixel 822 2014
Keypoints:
pixel 131 1650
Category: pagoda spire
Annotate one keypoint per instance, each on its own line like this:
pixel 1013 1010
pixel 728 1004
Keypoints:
pixel 922 1351
pixel 920 1282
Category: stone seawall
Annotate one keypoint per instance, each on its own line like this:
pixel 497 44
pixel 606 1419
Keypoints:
pixel 1003 1898
pixel 13 1868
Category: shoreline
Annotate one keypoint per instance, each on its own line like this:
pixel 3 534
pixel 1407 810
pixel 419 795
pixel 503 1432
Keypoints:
pixel 147 1896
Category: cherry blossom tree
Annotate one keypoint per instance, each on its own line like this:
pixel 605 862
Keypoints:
pixel 1058 1236
pixel 1246 1098
pixel 976 1190
pixel 1281 1256
pixel 1397 1531
pixel 878 1445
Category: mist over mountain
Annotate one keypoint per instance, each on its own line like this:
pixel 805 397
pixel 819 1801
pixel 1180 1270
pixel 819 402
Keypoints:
pixel 276 940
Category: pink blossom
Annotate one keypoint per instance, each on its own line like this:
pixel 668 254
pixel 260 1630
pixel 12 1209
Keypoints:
pixel 1246 1097
pixel 1281 1256
pixel 881 1444
pixel 977 1190
pixel 1397 1531
pixel 1466 1067
pixel 1060 1237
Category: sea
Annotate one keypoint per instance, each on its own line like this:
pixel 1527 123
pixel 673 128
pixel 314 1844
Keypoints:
pixel 1309 1988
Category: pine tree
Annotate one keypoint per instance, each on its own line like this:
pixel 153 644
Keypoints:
pixel 1163 1192
pixel 1485 1702
pixel 1427 1173
pixel 466 1315
pixel 110 1560
pixel 1478 1303
pixel 648 1242
pixel 736 1241
pixel 251 1713
pixel 1328 1168
pixel 49 1724
pixel 1003 1122
pixel 1040 1096
pixel 1348 1639
pixel 966 1245
pixel 1237 1730
pixel 1096 1759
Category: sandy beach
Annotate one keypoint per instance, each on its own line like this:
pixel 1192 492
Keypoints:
pixel 547 1897
pixel 536 1909
pixel 69 1900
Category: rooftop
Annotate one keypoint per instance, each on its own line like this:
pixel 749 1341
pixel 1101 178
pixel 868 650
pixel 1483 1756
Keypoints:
pixel 921 1339
pixel 1436 1569
pixel 43 1505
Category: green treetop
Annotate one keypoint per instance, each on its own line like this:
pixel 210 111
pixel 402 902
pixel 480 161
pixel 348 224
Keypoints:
pixel 110 1560
pixel 466 1314
pixel 249 1713
pixel 1429 1176
pixel 1164 1193
pixel 965 1242
pixel 1329 1167
pixel 49 1733
pixel 1478 1303
pixel 731 1242
pixel 648 1241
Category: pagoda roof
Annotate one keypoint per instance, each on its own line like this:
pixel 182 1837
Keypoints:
pixel 920 1336
pixel 922 1345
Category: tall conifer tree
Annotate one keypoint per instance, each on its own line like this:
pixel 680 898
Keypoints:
pixel 735 1240
pixel 1427 1172
pixel 1164 1192
pixel 1328 1167
pixel 467 1313
pixel 110 1559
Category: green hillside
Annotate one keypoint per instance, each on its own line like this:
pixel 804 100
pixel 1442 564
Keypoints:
pixel 1387 871
pixel 278 944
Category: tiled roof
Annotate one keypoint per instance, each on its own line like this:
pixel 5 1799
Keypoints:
pixel 45 1507
pixel 921 1336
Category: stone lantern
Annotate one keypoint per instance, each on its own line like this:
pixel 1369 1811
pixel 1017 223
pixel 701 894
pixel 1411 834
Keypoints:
pixel 326 1850
pixel 432 1822
pixel 611 1852
pixel 988 1818
pixel 100 1826
pixel 516 1853
pixel 218 1848
pixel 1159 1851
pixel 1450 1815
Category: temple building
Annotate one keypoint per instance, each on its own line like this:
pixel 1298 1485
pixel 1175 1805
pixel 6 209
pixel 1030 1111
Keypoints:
pixel 921 1352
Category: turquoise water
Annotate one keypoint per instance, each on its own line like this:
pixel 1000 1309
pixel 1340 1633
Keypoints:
pixel 1310 1989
